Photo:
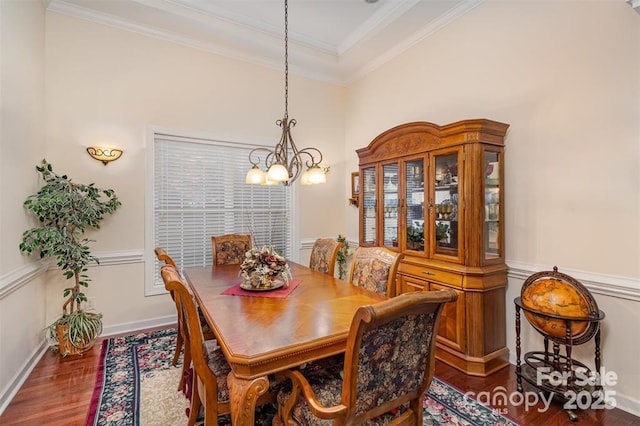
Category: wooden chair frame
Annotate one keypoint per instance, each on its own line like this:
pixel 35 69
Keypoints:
pixel 205 384
pixel 162 256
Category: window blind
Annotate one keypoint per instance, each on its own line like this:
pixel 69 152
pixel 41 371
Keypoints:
pixel 200 191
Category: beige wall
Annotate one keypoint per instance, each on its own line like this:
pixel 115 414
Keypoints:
pixel 565 76
pixel 22 144
pixel 106 86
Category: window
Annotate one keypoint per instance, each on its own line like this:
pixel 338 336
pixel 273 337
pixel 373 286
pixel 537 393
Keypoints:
pixel 199 190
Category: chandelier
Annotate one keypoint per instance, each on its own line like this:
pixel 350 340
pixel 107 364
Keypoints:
pixel 285 162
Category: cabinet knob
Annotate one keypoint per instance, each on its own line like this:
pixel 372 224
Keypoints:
pixel 428 273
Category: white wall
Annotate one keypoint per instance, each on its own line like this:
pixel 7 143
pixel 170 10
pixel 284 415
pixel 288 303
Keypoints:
pixel 565 76
pixel 22 144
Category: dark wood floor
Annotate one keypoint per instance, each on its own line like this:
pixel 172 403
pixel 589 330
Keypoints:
pixel 58 393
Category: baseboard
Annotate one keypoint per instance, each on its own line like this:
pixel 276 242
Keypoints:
pixel 133 326
pixel 21 376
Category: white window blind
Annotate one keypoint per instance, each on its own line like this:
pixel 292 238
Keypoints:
pixel 200 191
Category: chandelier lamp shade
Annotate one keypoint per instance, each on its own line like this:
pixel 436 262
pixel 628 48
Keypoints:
pixel 285 162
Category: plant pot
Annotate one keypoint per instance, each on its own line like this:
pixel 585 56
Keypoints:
pixel 64 345
pixel 413 245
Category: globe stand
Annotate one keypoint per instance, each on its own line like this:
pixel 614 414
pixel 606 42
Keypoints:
pixel 565 379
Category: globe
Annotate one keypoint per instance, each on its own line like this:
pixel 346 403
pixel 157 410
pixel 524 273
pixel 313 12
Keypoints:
pixel 566 298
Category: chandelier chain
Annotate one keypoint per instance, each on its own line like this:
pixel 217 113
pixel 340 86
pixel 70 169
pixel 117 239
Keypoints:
pixel 286 59
pixel 285 162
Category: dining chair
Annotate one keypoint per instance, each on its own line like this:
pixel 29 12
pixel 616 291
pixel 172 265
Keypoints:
pixel 323 255
pixel 374 268
pixel 163 256
pixel 388 366
pixel 229 249
pixel 210 366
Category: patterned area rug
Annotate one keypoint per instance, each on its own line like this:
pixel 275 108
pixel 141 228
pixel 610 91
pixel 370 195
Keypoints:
pixel 136 385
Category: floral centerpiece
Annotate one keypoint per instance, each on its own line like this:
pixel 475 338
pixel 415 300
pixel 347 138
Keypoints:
pixel 262 268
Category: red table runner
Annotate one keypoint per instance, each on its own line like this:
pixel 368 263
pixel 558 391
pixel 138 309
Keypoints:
pixel 281 292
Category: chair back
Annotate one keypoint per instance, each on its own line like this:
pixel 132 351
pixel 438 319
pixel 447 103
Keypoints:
pixel 323 255
pixel 374 268
pixel 229 249
pixel 162 256
pixel 390 353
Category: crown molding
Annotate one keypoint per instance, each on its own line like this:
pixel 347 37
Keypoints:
pixel 219 32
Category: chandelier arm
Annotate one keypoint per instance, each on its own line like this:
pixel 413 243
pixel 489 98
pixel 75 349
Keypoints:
pixel 312 159
pixel 254 158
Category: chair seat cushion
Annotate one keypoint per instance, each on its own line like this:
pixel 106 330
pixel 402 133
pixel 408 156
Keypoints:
pixel 206 330
pixel 219 366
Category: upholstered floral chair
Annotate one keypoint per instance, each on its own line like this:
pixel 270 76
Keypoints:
pixel 323 255
pixel 229 249
pixel 374 268
pixel 388 366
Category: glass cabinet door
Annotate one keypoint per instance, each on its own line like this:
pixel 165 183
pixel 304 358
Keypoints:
pixel 369 204
pixel 492 217
pixel 414 204
pixel 390 205
pixel 446 203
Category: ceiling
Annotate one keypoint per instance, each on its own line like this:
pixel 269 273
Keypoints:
pixel 337 41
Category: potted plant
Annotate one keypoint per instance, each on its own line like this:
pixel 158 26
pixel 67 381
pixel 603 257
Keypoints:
pixel 341 257
pixel 442 232
pixel 415 236
pixel 65 210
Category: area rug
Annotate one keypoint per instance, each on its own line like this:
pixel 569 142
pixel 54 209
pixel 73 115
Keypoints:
pixel 136 385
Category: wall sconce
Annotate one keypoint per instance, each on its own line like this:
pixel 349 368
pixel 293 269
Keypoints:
pixel 105 155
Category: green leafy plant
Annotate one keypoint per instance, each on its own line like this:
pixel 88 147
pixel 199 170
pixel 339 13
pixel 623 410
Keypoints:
pixel 442 231
pixel 341 257
pixel 415 233
pixel 65 211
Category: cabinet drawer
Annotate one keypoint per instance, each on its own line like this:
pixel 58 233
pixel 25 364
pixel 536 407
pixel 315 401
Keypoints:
pixel 431 274
pixel 407 284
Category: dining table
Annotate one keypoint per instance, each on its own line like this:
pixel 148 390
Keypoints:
pixel 264 332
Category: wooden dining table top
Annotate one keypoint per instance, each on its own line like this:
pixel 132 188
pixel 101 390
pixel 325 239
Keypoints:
pixel 261 335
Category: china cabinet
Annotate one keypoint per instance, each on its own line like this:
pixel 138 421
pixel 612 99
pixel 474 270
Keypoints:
pixel 436 194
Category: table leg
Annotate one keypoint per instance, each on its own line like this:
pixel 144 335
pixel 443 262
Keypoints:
pixel 243 395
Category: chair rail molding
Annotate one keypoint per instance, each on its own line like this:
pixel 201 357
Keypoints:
pixel 307 243
pixel 122 257
pixel 22 275
pixel 607 285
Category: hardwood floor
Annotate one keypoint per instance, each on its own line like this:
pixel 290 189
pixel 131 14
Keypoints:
pixel 58 393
